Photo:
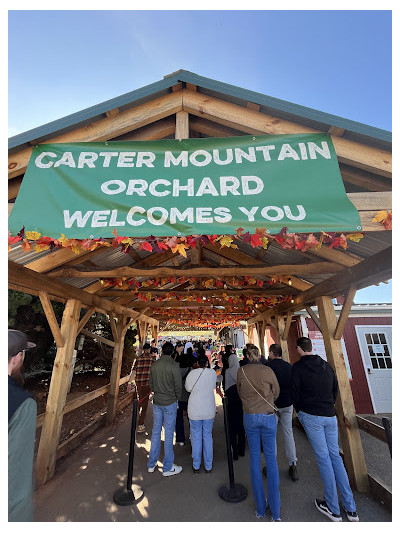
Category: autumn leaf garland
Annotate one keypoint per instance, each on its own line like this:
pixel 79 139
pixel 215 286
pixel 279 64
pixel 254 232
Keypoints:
pixel 34 241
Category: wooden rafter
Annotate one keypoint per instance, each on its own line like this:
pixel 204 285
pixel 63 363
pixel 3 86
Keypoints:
pixel 373 269
pixel 107 128
pixel 253 122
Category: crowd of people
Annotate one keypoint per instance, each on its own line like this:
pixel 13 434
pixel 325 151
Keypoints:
pixel 182 380
pixel 261 393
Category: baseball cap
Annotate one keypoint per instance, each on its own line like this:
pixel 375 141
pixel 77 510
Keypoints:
pixel 17 342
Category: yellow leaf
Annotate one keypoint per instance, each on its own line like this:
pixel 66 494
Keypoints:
pixel 355 237
pixel 225 240
pixel 127 240
pixel 380 216
pixel 32 235
pixel 63 240
pixel 181 248
pixel 41 247
pixel 265 242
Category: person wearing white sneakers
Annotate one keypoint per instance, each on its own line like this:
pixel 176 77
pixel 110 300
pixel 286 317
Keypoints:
pixel 166 383
pixel 314 388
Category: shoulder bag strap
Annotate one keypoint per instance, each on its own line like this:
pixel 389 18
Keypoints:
pixel 197 380
pixel 251 385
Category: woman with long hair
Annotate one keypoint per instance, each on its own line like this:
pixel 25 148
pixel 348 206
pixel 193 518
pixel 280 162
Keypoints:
pixel 258 388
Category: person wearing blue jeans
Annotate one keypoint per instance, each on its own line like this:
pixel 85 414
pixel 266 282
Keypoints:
pixel 163 415
pixel 202 441
pixel 262 428
pixel 166 383
pixel 258 388
pixel 200 383
pixel 314 388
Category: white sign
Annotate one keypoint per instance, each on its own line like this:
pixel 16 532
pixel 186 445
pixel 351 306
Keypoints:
pixel 318 348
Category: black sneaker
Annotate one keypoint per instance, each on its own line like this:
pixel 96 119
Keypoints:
pixel 264 471
pixel 352 516
pixel 293 472
pixel 196 471
pixel 323 508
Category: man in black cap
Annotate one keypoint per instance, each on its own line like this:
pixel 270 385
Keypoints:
pixel 140 373
pixel 21 433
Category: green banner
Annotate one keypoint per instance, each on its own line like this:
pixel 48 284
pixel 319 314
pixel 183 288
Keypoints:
pixel 188 187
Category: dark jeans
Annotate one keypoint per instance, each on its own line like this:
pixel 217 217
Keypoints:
pixel 235 419
pixel 179 426
pixel 143 393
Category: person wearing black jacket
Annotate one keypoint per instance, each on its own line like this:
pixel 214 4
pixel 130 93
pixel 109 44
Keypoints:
pixel 314 388
pixel 282 370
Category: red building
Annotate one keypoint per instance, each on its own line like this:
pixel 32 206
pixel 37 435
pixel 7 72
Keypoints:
pixel 367 351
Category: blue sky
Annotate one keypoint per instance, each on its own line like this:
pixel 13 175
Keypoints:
pixel 335 61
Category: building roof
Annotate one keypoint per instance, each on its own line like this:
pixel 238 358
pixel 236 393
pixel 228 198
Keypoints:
pixel 286 110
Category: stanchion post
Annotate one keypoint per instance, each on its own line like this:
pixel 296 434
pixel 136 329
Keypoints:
pixel 236 492
pixel 132 493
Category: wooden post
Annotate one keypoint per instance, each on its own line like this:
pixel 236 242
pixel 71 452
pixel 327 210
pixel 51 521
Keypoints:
pixel 261 327
pixel 182 125
pixel 283 333
pixel 121 328
pixel 349 433
pixel 50 436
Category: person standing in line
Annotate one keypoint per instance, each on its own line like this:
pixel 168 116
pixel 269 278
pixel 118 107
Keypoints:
pixel 188 344
pixel 200 383
pixel 166 383
pixel 185 366
pixel 22 411
pixel 245 359
pixel 154 349
pixel 314 388
pixel 282 370
pixel 178 350
pixel 258 388
pixel 235 409
pixel 140 374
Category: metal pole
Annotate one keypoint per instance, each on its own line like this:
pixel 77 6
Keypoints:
pixel 235 493
pixel 388 430
pixel 132 493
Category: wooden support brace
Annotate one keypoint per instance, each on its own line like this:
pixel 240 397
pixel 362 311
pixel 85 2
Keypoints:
pixel 345 313
pixel 116 368
pixel 51 318
pixel 113 327
pixel 314 317
pixel 287 326
pixel 85 319
pixel 347 421
pixel 50 436
pixel 98 338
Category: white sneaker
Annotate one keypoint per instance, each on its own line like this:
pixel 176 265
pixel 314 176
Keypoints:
pixel 151 469
pixel 174 470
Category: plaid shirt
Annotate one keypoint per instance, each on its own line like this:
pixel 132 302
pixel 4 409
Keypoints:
pixel 142 366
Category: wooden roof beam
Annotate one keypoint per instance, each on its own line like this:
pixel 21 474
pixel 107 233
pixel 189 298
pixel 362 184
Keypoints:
pixel 217 271
pixel 21 278
pixel 107 128
pixel 373 269
pixel 253 122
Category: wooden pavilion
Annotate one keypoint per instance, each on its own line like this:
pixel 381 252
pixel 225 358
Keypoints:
pixel 185 105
